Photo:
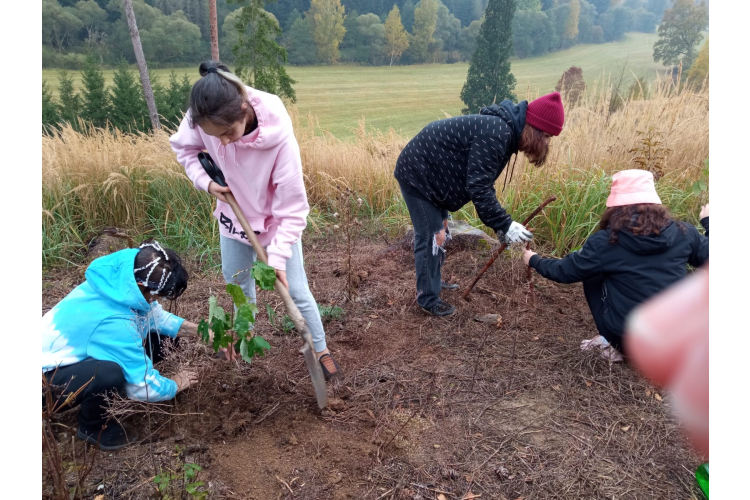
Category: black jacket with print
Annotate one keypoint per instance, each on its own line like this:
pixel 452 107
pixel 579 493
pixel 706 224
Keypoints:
pixel 457 160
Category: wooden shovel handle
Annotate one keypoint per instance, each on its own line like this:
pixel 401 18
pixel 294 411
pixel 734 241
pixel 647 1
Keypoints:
pixel 291 307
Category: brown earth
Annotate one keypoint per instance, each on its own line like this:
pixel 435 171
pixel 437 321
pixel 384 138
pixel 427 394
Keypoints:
pixel 428 408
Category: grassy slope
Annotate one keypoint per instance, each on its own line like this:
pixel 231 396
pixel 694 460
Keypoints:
pixel 408 97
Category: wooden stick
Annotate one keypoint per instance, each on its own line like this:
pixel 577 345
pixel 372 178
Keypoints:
pixel 497 252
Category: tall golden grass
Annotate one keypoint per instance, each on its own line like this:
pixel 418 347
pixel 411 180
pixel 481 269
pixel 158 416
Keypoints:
pixel 108 178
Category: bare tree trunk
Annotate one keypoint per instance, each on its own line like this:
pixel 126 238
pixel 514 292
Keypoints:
pixel 214 30
pixel 148 93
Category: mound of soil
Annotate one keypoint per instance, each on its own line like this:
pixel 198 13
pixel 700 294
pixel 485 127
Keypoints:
pixel 428 408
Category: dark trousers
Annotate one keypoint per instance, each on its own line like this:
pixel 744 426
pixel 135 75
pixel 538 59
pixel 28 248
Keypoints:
pixel 596 296
pixel 106 378
pixel 427 220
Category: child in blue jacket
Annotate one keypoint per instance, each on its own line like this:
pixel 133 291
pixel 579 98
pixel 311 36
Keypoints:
pixel 100 333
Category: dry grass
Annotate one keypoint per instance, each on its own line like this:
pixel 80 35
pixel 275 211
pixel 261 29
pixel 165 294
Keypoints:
pixel 102 178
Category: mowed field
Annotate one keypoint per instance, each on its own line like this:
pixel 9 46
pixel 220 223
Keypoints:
pixel 406 98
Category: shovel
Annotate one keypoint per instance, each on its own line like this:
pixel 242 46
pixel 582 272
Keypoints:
pixel 316 373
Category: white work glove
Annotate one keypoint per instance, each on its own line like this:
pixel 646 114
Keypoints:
pixel 517 234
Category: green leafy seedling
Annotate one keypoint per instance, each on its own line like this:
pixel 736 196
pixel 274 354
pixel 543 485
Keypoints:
pixel 235 330
pixel 264 275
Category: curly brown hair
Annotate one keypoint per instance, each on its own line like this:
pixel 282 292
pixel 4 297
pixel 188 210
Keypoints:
pixel 644 219
pixel 535 145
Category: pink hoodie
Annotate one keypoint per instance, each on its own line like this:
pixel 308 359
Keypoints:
pixel 264 170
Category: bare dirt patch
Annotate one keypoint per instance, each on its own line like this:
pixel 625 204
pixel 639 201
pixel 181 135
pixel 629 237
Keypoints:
pixel 427 406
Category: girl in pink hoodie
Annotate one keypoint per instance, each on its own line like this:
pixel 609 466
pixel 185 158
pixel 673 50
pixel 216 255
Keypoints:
pixel 249 134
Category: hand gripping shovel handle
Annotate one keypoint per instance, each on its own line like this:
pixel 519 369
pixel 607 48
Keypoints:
pixel 316 373
pixel 503 247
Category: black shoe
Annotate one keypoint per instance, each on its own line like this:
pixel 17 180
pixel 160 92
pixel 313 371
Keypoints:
pixel 448 286
pixel 112 437
pixel 440 308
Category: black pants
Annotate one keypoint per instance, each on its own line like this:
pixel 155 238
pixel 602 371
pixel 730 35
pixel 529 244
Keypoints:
pixel 596 297
pixel 106 377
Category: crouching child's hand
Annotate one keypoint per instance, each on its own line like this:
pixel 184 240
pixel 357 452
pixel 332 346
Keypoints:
pixel 527 254
pixel 185 379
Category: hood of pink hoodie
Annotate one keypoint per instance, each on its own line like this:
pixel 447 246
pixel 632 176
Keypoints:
pixel 264 171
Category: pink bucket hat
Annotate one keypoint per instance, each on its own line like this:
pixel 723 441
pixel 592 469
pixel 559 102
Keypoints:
pixel 632 187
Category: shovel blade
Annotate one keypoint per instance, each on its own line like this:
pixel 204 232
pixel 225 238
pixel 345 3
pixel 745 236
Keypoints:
pixel 316 375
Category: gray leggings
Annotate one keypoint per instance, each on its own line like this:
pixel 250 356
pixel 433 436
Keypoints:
pixel 237 256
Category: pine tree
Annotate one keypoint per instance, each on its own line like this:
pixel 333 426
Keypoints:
pixel 489 79
pixel 96 99
pixel 425 22
pixel 70 101
pixel 259 57
pixel 396 39
pixel 50 109
pixel 328 28
pixel 129 111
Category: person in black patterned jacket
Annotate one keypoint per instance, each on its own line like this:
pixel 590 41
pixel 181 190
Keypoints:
pixel 457 160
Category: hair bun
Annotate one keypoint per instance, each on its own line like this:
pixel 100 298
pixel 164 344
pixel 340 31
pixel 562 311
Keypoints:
pixel 206 66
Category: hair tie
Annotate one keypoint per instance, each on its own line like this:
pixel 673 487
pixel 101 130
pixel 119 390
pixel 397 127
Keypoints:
pixel 211 70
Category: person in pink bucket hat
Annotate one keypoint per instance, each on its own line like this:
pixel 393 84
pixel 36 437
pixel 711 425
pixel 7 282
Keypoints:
pixel 638 251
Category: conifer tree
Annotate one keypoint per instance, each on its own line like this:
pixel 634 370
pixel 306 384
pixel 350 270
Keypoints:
pixel 50 109
pixel 96 99
pixel 70 100
pixel 129 111
pixel 489 79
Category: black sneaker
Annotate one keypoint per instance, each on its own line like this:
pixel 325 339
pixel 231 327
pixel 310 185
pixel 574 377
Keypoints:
pixel 440 308
pixel 448 286
pixel 112 437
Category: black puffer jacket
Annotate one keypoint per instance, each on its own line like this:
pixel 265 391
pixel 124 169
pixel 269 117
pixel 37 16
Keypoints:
pixel 457 160
pixel 634 269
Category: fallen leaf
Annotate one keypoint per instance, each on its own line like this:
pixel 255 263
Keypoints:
pixel 557 388
pixel 648 393
pixel 478 434
pixel 470 495
pixel 99 497
pixel 441 497
pixel 436 446
pixel 536 338
pixel 369 412
pixel 657 396
pixel 561 340
pixel 373 316
pixel 626 428
pixel 520 498
pixel 588 384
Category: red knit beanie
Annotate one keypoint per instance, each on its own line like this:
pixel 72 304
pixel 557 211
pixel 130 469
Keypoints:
pixel 546 113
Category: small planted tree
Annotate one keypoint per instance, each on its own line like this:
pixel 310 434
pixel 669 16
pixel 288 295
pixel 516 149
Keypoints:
pixel 233 330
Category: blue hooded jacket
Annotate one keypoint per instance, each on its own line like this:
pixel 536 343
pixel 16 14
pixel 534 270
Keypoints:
pixel 107 318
